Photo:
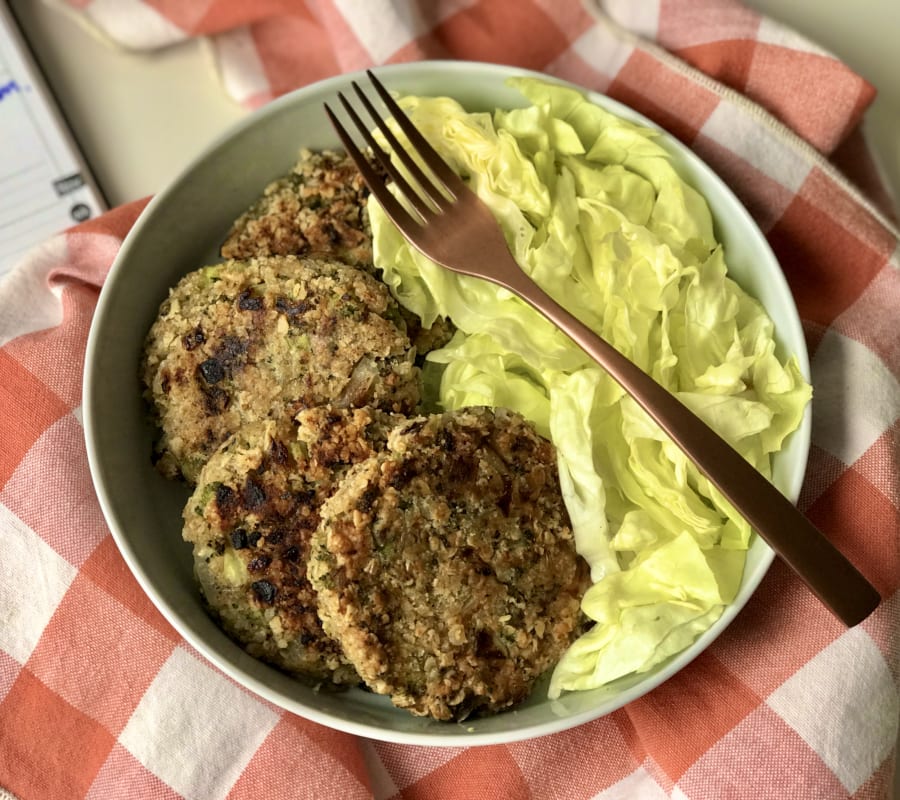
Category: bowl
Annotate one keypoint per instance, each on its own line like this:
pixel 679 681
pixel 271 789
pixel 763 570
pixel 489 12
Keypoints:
pixel 180 230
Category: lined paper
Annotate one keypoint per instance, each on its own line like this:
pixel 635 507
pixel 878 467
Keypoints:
pixel 45 186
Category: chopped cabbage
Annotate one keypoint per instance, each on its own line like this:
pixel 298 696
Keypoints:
pixel 595 212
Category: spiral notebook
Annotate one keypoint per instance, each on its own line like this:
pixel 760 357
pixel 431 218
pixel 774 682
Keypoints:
pixel 45 183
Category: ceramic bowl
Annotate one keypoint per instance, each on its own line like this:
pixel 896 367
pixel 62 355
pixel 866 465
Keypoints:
pixel 181 229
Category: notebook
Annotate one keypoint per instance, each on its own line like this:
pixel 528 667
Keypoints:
pixel 45 184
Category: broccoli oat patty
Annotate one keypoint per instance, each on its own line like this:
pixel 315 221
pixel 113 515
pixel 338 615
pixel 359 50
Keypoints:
pixel 250 521
pixel 446 565
pixel 319 208
pixel 242 341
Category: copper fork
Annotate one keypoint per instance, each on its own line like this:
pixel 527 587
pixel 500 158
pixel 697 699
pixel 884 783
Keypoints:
pixel 450 225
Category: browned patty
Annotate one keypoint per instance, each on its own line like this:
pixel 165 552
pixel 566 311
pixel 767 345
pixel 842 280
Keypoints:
pixel 242 341
pixel 446 565
pixel 319 208
pixel 251 519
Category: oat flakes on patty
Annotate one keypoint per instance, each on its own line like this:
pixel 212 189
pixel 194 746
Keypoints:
pixel 250 521
pixel 242 341
pixel 319 208
pixel 446 565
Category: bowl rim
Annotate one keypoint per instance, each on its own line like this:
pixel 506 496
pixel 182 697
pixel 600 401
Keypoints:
pixel 91 424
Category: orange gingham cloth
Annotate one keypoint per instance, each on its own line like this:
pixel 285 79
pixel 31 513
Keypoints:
pixel 100 698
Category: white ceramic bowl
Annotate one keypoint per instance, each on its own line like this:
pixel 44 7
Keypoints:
pixel 181 230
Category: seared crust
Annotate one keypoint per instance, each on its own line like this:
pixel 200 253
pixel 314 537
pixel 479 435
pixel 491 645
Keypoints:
pixel 239 342
pixel 446 566
pixel 320 209
pixel 251 519
pixel 317 209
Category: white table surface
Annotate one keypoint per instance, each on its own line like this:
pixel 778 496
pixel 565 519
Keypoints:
pixel 141 117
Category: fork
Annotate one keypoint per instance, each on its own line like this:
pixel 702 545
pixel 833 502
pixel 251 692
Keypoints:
pixel 450 225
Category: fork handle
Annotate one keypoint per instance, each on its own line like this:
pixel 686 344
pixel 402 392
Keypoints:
pixel 830 576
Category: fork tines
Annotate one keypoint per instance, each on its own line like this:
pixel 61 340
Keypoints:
pixel 433 192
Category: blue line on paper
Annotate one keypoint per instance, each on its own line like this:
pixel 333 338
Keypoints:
pixel 8 88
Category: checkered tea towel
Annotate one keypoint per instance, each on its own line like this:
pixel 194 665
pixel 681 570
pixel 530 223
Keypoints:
pixel 101 699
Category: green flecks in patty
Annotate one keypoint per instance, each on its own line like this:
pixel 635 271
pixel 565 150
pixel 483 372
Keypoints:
pixel 311 332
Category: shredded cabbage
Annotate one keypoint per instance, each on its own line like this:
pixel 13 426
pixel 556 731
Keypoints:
pixel 595 212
